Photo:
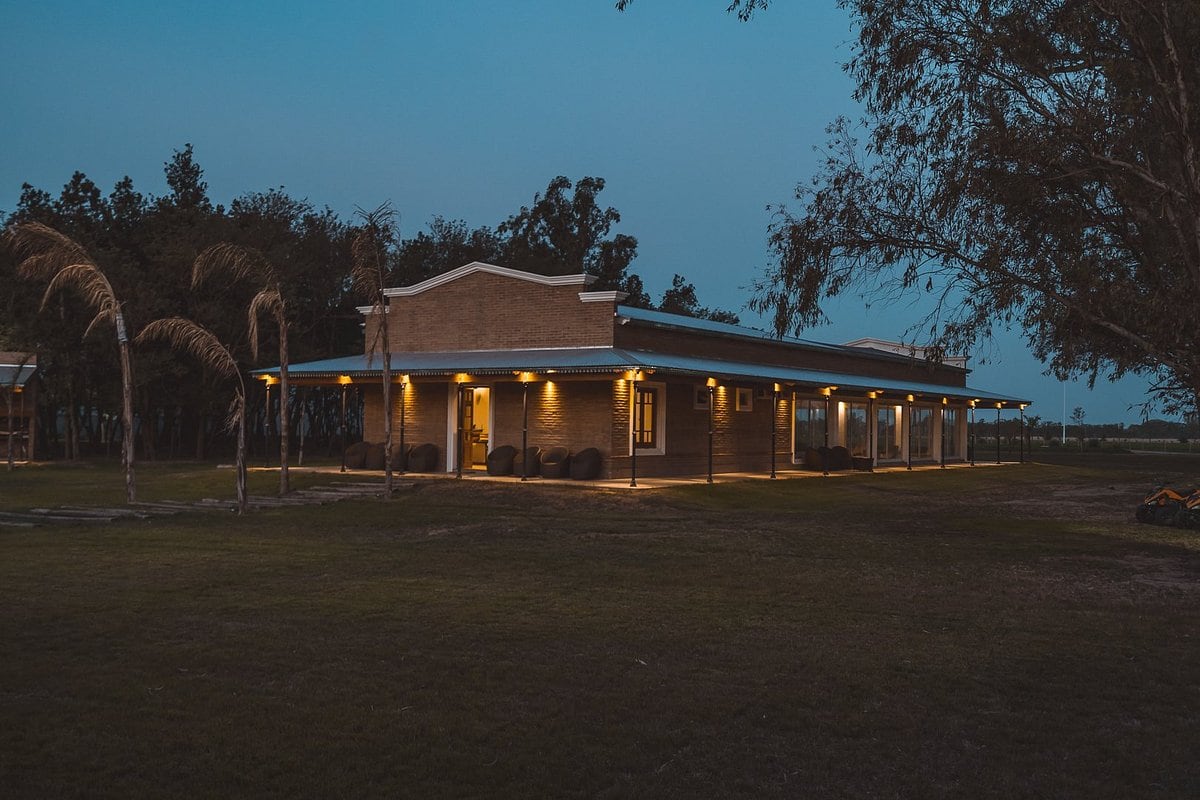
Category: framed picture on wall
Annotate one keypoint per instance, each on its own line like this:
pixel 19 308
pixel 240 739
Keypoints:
pixel 701 398
pixel 745 399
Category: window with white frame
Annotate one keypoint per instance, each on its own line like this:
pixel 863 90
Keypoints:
pixel 647 423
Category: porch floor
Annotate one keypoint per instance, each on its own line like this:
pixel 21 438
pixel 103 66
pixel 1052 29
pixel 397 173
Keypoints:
pixel 648 482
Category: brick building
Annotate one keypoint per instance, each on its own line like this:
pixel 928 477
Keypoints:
pixel 484 356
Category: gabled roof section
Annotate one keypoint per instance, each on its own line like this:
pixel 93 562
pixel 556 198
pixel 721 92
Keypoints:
pixel 663 319
pixel 478 266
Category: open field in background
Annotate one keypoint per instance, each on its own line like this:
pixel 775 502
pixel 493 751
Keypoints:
pixel 971 633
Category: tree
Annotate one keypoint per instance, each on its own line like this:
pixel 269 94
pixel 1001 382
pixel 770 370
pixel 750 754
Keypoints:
pixel 368 273
pixel 1077 416
pixel 1031 162
pixel 242 263
pixel 743 8
pixel 681 299
pixel 448 244
pixel 565 234
pixel 183 334
pixel 46 254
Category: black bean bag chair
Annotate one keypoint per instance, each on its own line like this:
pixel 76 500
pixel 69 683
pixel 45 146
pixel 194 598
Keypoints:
pixel 376 453
pixel 555 462
pixel 500 460
pixel 356 454
pixel 813 459
pixel 400 457
pixel 530 457
pixel 585 465
pixel 839 458
pixel 423 458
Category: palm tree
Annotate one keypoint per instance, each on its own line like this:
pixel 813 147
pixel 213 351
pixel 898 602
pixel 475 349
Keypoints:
pixel 368 274
pixel 46 254
pixel 248 262
pixel 183 334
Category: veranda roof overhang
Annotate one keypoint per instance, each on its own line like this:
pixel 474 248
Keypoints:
pixel 546 362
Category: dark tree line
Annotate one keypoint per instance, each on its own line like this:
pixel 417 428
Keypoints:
pixel 146 247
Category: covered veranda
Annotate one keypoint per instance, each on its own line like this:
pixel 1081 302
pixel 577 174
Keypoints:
pixel 628 370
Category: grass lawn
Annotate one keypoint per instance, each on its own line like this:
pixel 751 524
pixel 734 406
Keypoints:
pixel 971 633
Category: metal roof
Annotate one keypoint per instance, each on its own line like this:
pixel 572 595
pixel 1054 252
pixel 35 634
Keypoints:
pixel 607 360
pixel 665 319
pixel 16 374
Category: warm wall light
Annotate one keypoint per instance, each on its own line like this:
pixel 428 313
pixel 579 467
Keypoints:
pixel 1023 406
pixel 462 377
pixel 971 403
pixel 872 395
pixel 778 387
pixel 945 402
pixel 999 405
pixel 526 377
pixel 344 380
pixel 270 380
pixel 711 383
pixel 909 398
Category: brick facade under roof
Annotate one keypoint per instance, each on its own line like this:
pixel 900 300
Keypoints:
pixel 570 355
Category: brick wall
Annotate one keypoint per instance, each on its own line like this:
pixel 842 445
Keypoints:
pixel 741 439
pixel 425 415
pixel 483 311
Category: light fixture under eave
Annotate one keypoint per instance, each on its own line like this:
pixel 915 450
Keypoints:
pixel 345 380
pixel 461 377
pixel 269 380
pixel 526 377
pixel 711 383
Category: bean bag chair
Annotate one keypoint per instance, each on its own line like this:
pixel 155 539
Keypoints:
pixel 530 457
pixel 423 458
pixel 839 458
pixel 812 459
pixel 555 462
pixel 500 460
pixel 585 465
pixel 356 454
pixel 400 457
pixel 376 454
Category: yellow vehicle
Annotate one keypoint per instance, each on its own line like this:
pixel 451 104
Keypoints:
pixel 1163 504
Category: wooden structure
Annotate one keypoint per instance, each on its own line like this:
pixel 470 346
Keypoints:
pixel 18 404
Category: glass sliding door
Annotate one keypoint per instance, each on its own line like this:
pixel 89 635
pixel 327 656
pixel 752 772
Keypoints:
pixel 856 438
pixel 922 433
pixel 887 433
pixel 808 426
pixel 950 438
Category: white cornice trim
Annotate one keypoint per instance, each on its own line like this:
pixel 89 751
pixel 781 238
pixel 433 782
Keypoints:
pixel 602 297
pixel 479 266
pixel 365 310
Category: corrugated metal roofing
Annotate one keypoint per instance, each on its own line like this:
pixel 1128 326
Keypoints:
pixel 724 328
pixel 13 372
pixel 611 359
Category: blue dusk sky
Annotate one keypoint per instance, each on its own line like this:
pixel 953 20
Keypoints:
pixel 465 109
